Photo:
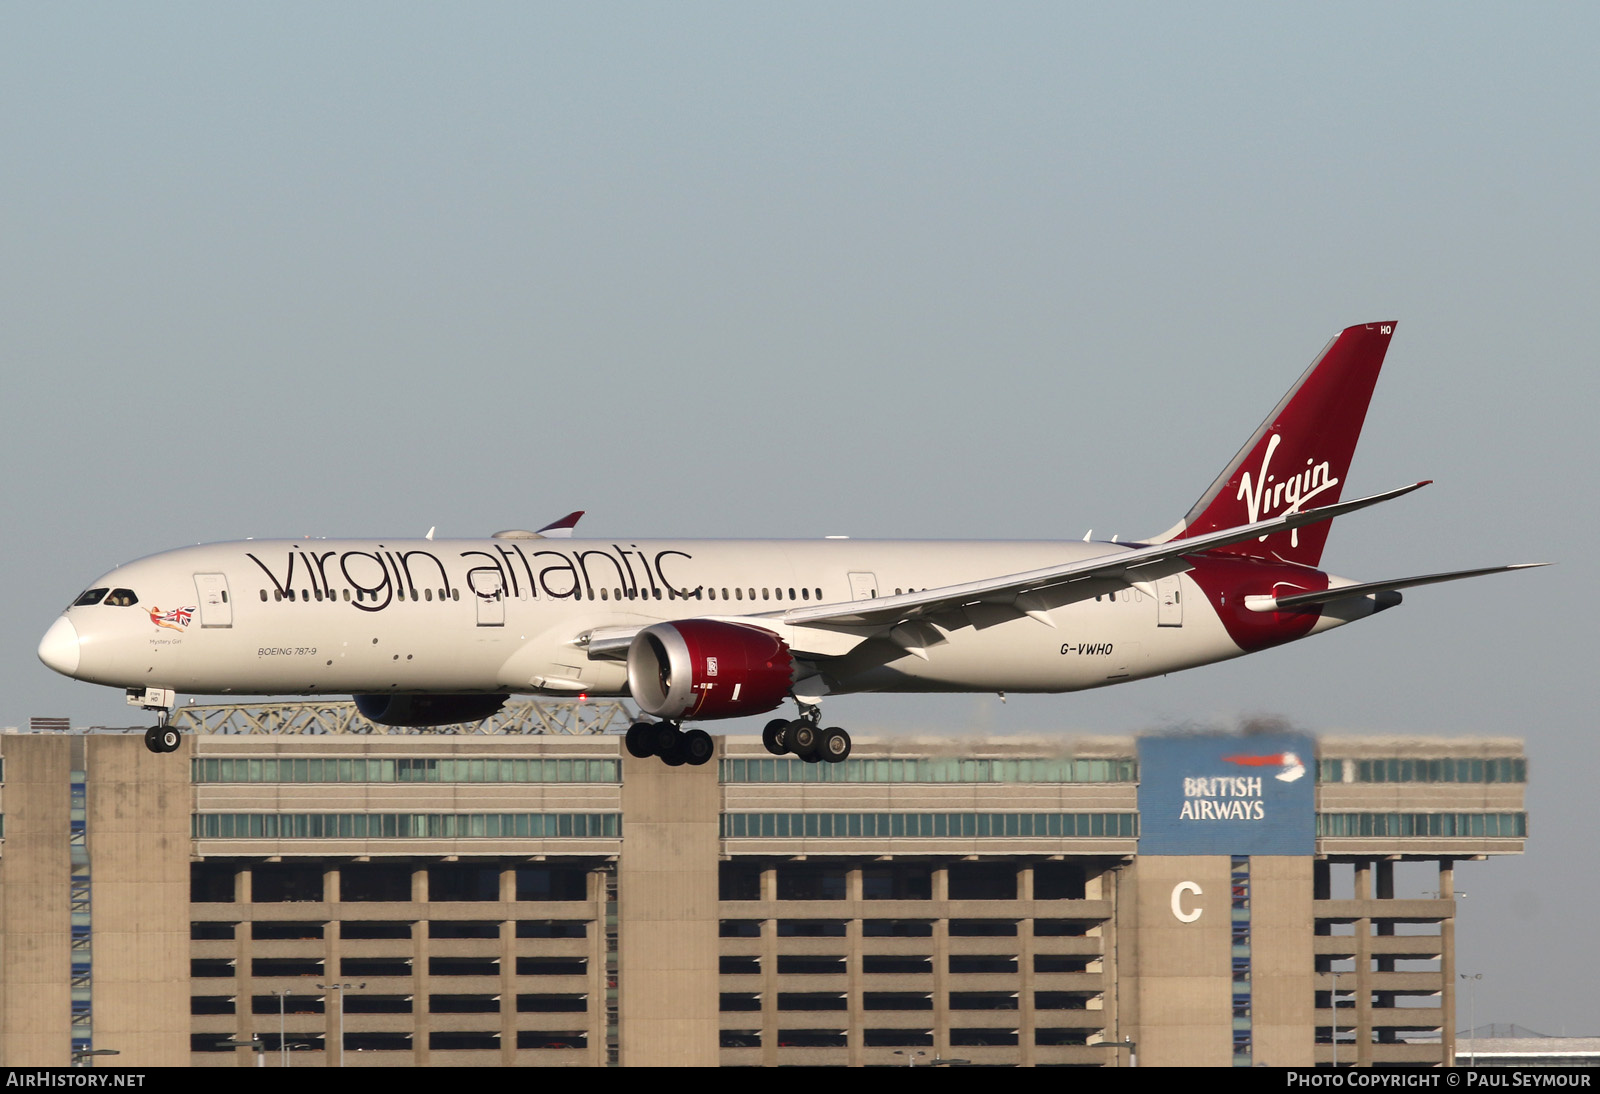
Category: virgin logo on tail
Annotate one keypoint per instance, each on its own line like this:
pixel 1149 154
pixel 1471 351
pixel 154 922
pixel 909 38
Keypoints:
pixel 1261 496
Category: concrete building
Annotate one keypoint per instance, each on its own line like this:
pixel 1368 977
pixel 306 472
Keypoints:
pixel 546 900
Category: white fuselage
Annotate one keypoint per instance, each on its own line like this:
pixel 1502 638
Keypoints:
pixel 314 617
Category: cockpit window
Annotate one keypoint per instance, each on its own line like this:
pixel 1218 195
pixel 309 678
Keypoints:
pixel 122 598
pixel 90 596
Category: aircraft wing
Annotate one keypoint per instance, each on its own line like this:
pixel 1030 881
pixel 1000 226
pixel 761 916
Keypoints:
pixel 1032 592
pixel 1342 592
pixel 832 630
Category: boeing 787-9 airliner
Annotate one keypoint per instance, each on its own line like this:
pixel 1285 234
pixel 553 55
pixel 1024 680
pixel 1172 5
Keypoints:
pixel 436 632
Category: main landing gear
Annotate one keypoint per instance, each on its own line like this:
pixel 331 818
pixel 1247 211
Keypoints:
pixel 803 738
pixel 675 746
pixel 162 737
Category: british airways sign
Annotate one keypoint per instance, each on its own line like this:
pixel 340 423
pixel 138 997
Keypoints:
pixel 1227 795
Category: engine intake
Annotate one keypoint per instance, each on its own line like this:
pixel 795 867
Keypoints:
pixel 704 668
pixel 427 710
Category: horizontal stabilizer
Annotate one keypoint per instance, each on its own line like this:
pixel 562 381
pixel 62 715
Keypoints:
pixel 1345 592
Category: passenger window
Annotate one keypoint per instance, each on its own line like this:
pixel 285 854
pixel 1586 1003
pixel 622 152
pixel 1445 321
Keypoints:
pixel 91 596
pixel 263 596
pixel 805 594
pixel 347 594
pixel 738 594
pixel 428 595
pixel 122 598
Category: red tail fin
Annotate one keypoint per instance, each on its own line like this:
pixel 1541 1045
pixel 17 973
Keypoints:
pixel 1300 456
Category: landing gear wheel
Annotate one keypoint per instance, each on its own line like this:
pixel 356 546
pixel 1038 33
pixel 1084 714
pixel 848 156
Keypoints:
pixel 674 757
pixel 776 737
pixel 697 747
pixel 802 737
pixel 810 757
pixel 638 740
pixel 665 738
pixel 834 745
pixel 160 739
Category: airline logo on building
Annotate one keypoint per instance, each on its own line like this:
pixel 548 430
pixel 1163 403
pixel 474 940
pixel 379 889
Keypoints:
pixel 1226 795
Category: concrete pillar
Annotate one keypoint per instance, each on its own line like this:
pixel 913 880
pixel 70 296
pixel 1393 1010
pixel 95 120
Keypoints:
pixel 1447 960
pixel 668 911
pixel 1185 972
pixel 138 838
pixel 35 948
pixel 1282 965
pixel 1363 977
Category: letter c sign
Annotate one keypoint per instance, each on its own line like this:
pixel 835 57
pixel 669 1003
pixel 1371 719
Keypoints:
pixel 1177 901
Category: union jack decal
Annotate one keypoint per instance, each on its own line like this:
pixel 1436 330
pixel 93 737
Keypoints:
pixel 175 620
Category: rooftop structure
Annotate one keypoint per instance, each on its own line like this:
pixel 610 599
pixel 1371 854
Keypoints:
pixel 521 899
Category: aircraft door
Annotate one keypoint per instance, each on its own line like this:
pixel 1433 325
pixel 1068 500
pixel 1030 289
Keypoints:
pixel 863 586
pixel 216 607
pixel 488 590
pixel 1169 602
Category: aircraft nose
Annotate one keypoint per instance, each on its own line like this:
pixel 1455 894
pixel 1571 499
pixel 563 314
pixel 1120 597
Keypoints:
pixel 59 647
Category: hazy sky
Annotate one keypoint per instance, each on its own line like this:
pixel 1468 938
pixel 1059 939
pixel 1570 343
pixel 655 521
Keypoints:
pixel 906 270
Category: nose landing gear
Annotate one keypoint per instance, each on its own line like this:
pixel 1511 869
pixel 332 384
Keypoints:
pixel 675 746
pixel 162 737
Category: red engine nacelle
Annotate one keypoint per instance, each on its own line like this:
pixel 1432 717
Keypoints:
pixel 702 668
